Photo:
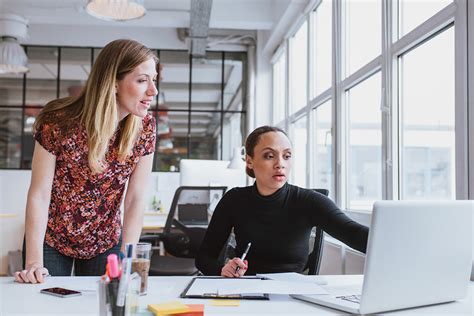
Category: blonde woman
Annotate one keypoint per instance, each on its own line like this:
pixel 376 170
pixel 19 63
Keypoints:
pixel 86 149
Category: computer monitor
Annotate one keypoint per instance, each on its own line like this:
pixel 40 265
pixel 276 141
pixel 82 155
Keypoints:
pixel 200 172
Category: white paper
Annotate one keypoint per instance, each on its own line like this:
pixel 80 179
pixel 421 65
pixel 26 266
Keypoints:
pixel 294 277
pixel 252 286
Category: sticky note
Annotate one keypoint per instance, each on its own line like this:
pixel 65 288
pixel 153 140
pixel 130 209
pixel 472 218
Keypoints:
pixel 194 310
pixel 225 303
pixel 168 308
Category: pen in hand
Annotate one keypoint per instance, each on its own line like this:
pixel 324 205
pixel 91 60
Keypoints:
pixel 244 255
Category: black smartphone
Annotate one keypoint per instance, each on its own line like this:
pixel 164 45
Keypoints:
pixel 61 292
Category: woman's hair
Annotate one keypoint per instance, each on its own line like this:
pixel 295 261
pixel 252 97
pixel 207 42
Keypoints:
pixel 96 108
pixel 253 139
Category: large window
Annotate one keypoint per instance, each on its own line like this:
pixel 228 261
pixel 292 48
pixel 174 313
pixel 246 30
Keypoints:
pixel 279 88
pixel 427 119
pixel 200 110
pixel 390 78
pixel 363 33
pixel 365 144
pixel 322 48
pixel 298 68
pixel 411 13
pixel 300 141
pixel 11 100
pixel 323 172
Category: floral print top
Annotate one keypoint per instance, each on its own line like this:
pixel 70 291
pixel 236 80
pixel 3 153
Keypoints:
pixel 84 212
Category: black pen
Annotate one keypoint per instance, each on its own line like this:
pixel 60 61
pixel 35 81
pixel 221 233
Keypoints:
pixel 244 255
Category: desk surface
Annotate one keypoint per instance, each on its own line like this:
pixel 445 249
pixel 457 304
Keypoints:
pixel 154 221
pixel 26 299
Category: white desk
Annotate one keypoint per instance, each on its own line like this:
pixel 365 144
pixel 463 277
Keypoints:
pixel 154 221
pixel 25 299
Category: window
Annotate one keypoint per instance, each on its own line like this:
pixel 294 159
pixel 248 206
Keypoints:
pixel 279 88
pixel 323 173
pixel 411 13
pixel 365 143
pixel 400 110
pixel 427 107
pixel 11 100
pixel 199 99
pixel 75 69
pixel 322 30
pixel 299 68
pixel 299 140
pixel 363 33
pixel 41 79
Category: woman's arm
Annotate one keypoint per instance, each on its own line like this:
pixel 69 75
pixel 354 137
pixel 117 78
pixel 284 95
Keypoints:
pixel 216 236
pixel 36 218
pixel 326 214
pixel 134 205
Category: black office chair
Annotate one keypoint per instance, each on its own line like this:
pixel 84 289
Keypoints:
pixel 184 230
pixel 314 258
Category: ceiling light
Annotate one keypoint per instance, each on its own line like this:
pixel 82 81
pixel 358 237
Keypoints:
pixel 116 10
pixel 12 56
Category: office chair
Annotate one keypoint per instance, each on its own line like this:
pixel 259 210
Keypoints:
pixel 183 233
pixel 314 258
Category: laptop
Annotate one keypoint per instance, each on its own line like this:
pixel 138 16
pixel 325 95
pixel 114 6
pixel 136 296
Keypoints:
pixel 418 253
pixel 193 214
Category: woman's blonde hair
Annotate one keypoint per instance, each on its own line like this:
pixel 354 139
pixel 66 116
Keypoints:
pixel 96 108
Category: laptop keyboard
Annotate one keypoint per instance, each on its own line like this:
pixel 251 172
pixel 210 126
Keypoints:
pixel 350 298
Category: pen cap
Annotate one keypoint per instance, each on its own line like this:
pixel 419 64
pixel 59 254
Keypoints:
pixel 128 250
pixel 112 261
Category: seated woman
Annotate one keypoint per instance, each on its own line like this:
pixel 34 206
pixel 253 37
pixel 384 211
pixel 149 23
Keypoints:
pixel 276 217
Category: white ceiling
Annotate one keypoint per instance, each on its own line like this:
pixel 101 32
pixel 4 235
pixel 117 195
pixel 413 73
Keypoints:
pixel 225 14
pixel 65 23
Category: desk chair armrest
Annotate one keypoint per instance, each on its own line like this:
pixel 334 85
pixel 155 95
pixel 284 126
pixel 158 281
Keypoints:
pixel 185 244
pixel 153 239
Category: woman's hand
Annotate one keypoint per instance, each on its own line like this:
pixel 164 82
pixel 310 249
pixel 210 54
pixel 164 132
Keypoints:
pixel 229 270
pixel 35 273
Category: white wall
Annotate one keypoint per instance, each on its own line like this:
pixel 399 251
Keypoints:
pixel 162 185
pixel 14 186
pixel 13 190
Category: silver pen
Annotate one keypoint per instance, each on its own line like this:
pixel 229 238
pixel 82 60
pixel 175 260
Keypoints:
pixel 244 255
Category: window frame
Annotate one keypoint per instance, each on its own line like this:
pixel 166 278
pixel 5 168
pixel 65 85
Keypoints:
pixel 459 13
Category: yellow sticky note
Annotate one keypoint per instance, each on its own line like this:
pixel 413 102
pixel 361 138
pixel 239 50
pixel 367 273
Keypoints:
pixel 225 302
pixel 168 308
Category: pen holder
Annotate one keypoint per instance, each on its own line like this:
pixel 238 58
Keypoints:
pixel 108 297
pixel 133 292
pixel 104 306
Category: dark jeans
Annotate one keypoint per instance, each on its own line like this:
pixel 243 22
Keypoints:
pixel 61 265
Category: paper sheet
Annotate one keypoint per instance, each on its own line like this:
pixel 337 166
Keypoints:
pixel 251 286
pixel 294 277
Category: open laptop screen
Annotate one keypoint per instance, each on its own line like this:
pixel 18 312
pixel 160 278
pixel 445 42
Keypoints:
pixel 193 214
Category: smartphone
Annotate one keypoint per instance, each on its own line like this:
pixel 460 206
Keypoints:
pixel 61 292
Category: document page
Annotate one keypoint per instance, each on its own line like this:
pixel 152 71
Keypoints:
pixel 203 286
pixel 294 277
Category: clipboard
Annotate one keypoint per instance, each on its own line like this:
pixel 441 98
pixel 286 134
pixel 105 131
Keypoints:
pixel 185 294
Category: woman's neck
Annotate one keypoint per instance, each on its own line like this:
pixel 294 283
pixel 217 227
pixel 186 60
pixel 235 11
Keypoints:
pixel 266 191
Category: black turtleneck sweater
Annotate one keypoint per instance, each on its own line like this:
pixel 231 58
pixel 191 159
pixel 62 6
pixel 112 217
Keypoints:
pixel 279 227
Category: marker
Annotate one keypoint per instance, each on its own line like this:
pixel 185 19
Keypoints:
pixel 244 255
pixel 126 271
